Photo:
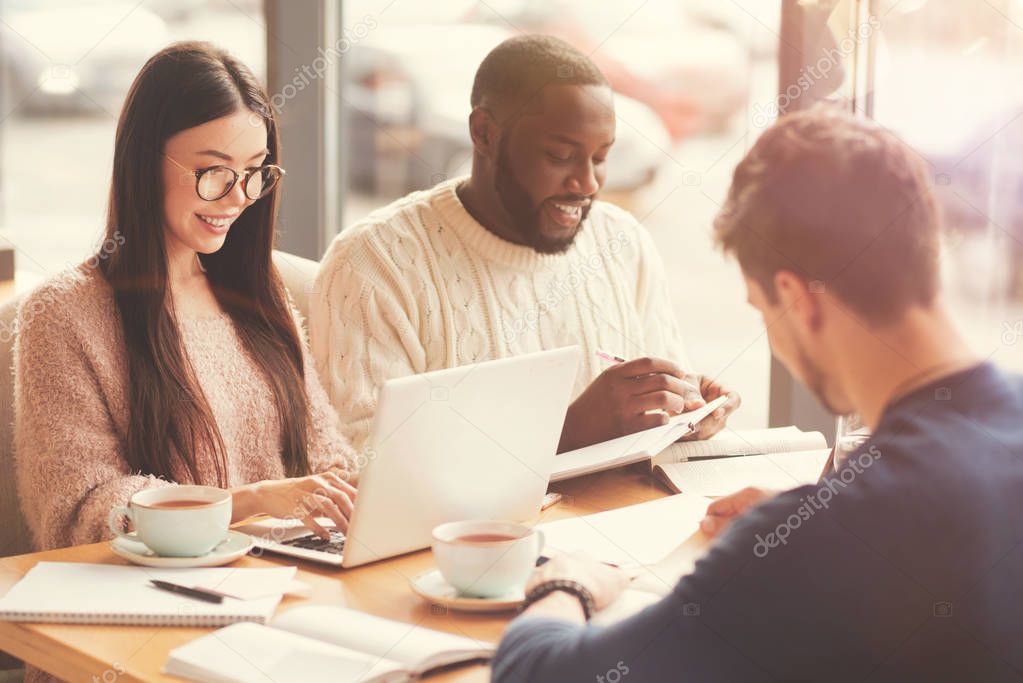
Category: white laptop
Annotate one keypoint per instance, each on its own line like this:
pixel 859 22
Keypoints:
pixel 473 442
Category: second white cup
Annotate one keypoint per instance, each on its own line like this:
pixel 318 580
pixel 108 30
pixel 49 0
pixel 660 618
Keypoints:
pixel 486 558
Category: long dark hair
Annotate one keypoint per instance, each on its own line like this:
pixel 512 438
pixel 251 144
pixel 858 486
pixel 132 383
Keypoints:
pixel 183 86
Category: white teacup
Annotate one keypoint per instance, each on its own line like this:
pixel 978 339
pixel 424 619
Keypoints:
pixel 486 558
pixel 177 521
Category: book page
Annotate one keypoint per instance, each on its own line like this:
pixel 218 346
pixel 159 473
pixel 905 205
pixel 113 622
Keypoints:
pixel 743 442
pixel 722 476
pixel 249 652
pixel 415 647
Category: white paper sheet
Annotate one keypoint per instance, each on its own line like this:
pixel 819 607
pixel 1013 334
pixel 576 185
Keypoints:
pixel 636 535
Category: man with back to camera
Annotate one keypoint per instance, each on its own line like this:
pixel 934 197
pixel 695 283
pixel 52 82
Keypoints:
pixel 903 563
pixel 516 258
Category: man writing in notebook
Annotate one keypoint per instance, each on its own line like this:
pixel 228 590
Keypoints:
pixel 903 563
pixel 520 256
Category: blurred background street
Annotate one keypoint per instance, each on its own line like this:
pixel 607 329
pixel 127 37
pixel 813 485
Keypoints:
pixel 696 83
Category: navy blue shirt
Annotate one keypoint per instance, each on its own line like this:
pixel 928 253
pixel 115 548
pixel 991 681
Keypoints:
pixel 906 564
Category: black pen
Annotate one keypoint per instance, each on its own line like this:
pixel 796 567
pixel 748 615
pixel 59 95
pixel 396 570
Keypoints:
pixel 197 593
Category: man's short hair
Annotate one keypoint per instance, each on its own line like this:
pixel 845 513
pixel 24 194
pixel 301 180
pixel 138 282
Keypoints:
pixel 516 71
pixel 841 202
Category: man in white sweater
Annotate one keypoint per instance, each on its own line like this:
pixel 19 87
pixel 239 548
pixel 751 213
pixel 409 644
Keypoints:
pixel 518 257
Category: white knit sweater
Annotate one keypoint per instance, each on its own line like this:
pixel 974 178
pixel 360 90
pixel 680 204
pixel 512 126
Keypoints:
pixel 419 285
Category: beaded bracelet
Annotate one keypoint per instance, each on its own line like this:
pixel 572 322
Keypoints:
pixel 542 590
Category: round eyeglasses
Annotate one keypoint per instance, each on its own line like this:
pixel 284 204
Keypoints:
pixel 215 182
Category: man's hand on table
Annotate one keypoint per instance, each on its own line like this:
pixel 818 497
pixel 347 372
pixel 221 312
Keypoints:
pixel 723 511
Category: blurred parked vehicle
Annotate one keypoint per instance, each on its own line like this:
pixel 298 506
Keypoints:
pixel 981 189
pixel 408 90
pixel 970 130
pixel 692 73
pixel 74 56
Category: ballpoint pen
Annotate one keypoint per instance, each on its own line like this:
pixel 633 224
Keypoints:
pixel 197 593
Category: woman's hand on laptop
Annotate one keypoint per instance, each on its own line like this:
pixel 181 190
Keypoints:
pixel 722 511
pixel 619 402
pixel 319 495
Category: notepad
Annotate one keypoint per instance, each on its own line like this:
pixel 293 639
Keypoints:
pixel 321 644
pixel 79 593
pixel 631 448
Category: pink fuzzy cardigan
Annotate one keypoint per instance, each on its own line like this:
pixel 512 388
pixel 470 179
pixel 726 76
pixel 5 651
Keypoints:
pixel 71 410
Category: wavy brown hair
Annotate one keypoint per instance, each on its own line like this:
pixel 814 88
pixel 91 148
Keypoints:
pixel 183 86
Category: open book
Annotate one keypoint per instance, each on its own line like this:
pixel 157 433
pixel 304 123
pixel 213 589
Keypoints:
pixel 660 445
pixel 731 442
pixel 630 448
pixel 776 467
pixel 321 644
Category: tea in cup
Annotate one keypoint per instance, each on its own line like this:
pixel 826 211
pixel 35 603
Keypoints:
pixel 176 521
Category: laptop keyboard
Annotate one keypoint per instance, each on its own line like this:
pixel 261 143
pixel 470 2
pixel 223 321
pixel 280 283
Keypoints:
pixel 335 546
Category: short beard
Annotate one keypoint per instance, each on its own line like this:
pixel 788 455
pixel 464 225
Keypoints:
pixel 816 383
pixel 526 218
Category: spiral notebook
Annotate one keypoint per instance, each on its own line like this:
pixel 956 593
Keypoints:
pixel 78 593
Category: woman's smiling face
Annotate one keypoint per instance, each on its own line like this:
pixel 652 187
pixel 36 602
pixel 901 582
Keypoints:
pixel 238 141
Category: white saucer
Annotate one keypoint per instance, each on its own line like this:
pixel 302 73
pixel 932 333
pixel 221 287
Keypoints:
pixel 432 586
pixel 235 545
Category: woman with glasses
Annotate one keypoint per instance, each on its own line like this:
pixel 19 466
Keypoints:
pixel 174 355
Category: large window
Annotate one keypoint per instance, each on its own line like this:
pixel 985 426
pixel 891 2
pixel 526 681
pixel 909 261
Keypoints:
pixel 686 73
pixel 65 67
pixel 946 77
pixel 696 82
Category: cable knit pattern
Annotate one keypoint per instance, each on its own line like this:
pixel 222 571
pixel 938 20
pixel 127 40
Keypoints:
pixel 71 409
pixel 419 285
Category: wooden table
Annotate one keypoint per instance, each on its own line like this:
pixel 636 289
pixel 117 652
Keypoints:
pixel 78 652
